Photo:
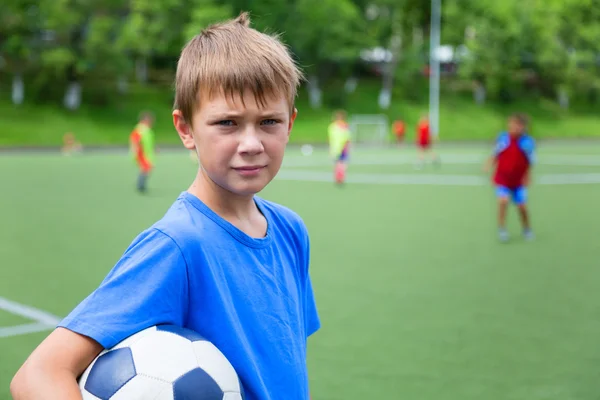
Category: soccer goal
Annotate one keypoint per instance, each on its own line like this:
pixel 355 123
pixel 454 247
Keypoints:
pixel 369 129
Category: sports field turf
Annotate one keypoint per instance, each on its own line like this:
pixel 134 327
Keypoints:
pixel 417 298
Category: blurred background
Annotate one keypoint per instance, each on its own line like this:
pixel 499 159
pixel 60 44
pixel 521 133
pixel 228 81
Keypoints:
pixel 417 297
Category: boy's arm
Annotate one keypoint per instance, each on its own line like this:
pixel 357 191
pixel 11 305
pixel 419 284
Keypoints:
pixel 51 371
pixel 136 294
pixel 490 162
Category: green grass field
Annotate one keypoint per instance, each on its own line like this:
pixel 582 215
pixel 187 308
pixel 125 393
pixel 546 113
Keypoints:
pixel 418 299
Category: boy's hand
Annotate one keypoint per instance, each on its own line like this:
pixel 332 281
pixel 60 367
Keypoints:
pixel 487 166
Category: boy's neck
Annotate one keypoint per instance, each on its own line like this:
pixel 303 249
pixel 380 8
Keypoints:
pixel 226 204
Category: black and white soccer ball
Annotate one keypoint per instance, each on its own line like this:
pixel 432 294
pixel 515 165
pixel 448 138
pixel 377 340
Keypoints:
pixel 164 362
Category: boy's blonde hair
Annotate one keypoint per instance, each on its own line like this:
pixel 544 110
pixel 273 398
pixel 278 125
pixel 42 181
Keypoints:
pixel 340 115
pixel 231 58
pixel 521 118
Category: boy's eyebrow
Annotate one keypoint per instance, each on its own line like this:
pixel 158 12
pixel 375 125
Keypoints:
pixel 272 114
pixel 234 114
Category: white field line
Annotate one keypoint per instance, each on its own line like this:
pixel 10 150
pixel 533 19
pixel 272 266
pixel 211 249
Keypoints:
pixel 430 179
pixel 43 320
pixel 19 330
pixel 568 179
pixel 28 312
pixel 456 159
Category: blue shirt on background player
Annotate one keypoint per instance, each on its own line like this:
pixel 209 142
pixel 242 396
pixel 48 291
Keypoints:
pixel 251 297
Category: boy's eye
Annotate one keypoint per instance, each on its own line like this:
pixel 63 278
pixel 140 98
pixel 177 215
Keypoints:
pixel 225 122
pixel 270 121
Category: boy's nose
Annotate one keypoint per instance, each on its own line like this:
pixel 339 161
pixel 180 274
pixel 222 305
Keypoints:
pixel 250 143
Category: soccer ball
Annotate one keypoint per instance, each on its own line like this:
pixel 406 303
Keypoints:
pixel 306 149
pixel 164 362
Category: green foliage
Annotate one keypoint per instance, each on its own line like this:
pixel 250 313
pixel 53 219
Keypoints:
pixel 520 47
pixel 204 13
pixel 324 33
pixel 516 48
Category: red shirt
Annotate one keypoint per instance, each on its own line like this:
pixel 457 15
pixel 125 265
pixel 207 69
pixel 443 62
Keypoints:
pixel 512 165
pixel 423 131
pixel 399 128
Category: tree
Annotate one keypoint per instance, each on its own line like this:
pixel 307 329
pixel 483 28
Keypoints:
pixel 327 36
pixel 19 37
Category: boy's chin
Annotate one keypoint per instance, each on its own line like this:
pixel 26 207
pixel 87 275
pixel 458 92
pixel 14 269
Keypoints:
pixel 244 189
pixel 247 190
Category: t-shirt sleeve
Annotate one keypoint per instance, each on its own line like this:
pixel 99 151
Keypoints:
pixel 311 315
pixel 528 147
pixel 500 144
pixel 148 286
pixel 313 322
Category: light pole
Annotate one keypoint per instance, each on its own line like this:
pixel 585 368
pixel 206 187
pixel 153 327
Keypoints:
pixel 434 67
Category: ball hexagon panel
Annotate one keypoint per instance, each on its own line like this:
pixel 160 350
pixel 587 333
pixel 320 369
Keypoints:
pixel 145 387
pixel 211 360
pixel 172 359
pixel 189 334
pixel 104 379
pixel 194 382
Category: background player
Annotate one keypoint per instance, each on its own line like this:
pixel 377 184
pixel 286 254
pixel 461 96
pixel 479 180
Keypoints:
pixel 399 128
pixel 141 142
pixel 424 143
pixel 513 157
pixel 339 144
pixel 70 144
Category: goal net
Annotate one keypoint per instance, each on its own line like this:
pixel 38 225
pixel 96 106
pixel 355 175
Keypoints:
pixel 369 129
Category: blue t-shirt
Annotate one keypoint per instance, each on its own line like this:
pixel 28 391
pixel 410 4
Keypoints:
pixel 252 298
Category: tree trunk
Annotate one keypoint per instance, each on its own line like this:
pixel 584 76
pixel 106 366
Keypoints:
pixel 351 84
pixel 18 89
pixel 122 84
pixel 141 70
pixel 314 92
pixel 563 99
pixel 479 93
pixel 385 95
pixel 395 46
pixel 72 99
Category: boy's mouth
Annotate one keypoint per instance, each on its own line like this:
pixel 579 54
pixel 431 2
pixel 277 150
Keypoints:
pixel 249 167
pixel 249 170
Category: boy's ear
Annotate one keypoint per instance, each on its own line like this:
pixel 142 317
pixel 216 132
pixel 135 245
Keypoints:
pixel 184 130
pixel 292 119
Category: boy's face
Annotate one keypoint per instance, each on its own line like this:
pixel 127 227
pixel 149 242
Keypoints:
pixel 240 147
pixel 515 126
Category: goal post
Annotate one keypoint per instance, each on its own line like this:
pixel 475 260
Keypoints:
pixel 369 129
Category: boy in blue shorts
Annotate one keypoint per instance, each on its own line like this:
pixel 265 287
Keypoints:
pixel 513 158
pixel 222 261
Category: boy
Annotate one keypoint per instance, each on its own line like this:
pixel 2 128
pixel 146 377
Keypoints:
pixel 513 157
pixel 222 261
pixel 424 143
pixel 339 143
pixel 70 144
pixel 141 145
pixel 398 129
